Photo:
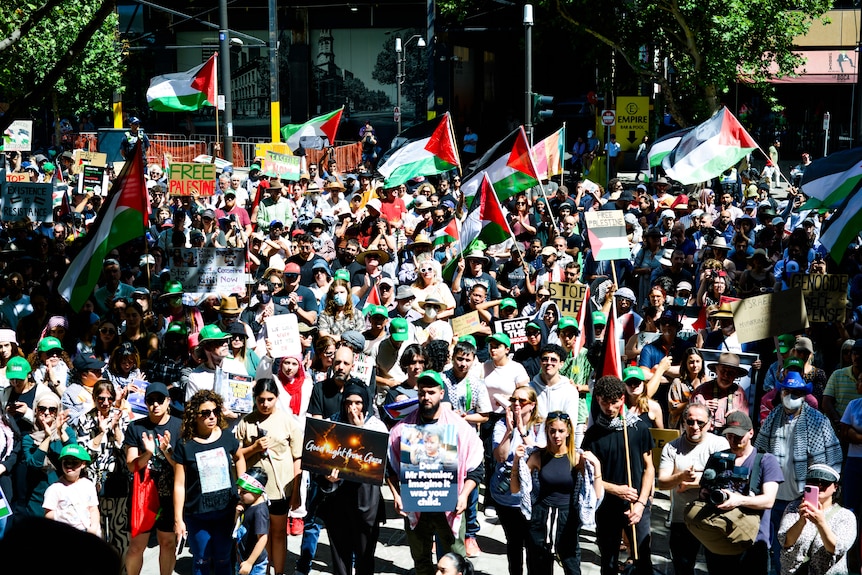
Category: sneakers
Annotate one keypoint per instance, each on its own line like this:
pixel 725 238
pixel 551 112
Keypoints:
pixel 472 547
pixel 295 525
pixel 490 512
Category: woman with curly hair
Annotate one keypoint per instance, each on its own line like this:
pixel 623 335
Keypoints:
pixel 124 368
pixel 51 364
pixel 146 343
pixel 207 461
pixel 339 315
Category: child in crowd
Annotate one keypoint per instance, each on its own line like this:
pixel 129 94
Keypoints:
pixel 252 523
pixel 73 499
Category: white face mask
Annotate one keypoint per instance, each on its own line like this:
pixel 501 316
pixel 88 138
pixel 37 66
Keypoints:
pixel 791 403
pixel 431 312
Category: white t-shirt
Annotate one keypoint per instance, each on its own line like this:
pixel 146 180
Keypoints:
pixel 71 502
pixel 682 454
pixel 853 417
pixel 502 380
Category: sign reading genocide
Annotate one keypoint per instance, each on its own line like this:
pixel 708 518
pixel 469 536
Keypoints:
pixel 515 328
pixel 281 165
pixel 568 297
pixel 202 270
pixel 825 296
pixel 189 178
pixel 358 454
pixel 24 200
pixel 763 316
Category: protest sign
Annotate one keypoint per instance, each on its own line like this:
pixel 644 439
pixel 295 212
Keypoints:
pixel 260 150
pixel 237 392
pixel 200 270
pixel 429 467
pixel 137 399
pixel 282 331
pixel 825 296
pixel 568 297
pixel 189 178
pixel 362 367
pixel 358 454
pixel 18 136
pixel 607 233
pixel 24 200
pixel 17 176
pixel 763 316
pixel 710 356
pixel 281 165
pixel 515 328
pixel 92 180
pixel 466 324
pixel 5 507
pixel 81 158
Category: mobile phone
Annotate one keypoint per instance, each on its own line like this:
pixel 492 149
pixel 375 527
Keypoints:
pixel 812 494
pixel 180 544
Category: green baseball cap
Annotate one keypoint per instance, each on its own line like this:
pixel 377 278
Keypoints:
pixel 172 288
pixel 49 343
pixel 633 372
pixel 177 327
pixel 431 378
pixel 75 450
pixel 786 342
pixel 376 310
pixel 502 338
pixel 599 318
pixel 17 368
pixel 398 329
pixel 212 332
pixel 342 274
pixel 567 322
pixel 469 339
pixel 534 325
pixel 790 363
pixel 508 302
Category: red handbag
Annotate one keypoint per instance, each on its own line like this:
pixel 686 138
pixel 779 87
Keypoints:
pixel 145 502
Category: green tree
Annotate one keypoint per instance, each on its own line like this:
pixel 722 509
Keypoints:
pixel 66 51
pixel 413 87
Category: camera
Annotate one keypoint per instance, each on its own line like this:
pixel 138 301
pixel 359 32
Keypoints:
pixel 722 473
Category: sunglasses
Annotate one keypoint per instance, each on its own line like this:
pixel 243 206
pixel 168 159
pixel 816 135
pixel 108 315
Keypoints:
pixel 551 360
pixel 697 422
pixel 519 400
pixel 207 413
pixel 821 483
pixel 558 415
pixel 104 398
pixel 276 284
pixel 291 277
pixel 426 270
pixel 155 398
pixel 43 409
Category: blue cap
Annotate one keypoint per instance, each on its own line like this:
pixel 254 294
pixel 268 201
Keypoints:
pixel 134 120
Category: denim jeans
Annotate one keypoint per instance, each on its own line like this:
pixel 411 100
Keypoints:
pixel 211 541
pixel 311 530
pixel 471 514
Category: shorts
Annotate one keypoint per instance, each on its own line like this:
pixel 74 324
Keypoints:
pixel 165 520
pixel 278 507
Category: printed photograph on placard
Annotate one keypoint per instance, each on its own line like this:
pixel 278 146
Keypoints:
pixel 429 467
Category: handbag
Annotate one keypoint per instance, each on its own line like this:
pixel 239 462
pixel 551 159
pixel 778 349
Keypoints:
pixel 722 532
pixel 145 502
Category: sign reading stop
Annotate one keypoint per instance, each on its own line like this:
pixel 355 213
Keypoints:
pixel 609 117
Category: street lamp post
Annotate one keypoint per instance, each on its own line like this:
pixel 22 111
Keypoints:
pixel 400 73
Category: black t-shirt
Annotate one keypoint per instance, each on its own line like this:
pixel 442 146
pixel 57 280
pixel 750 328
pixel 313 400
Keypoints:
pixel 325 399
pixel 255 522
pixel 162 471
pixel 210 474
pixel 485 279
pixel 306 276
pixel 574 241
pixel 305 299
pixel 607 444
pixel 28 397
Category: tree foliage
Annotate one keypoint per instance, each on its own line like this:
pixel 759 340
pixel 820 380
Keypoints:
pixel 415 68
pixel 70 49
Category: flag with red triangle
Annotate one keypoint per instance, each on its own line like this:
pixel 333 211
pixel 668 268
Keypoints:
pixel 611 364
pixel 426 149
pixel 184 91
pixel 446 234
pixel 581 340
pixel 509 166
pixel 315 134
pixel 373 296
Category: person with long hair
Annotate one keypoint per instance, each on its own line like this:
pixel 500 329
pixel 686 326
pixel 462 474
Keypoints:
pixel 124 368
pixel 78 398
pixel 101 431
pixel 324 354
pixel 239 349
pixel 648 326
pixel 135 332
pixel 339 315
pixel 429 284
pixel 521 426
pixel 554 520
pixel 207 462
pixel 51 364
pixel 107 339
pixel 638 401
pixel 272 440
pixel 692 374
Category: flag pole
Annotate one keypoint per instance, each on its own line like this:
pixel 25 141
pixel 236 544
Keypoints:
pixel 218 131
pixel 629 476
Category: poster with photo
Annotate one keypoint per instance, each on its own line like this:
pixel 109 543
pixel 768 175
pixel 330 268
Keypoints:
pixel 429 467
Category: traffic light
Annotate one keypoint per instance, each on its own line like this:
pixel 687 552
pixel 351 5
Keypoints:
pixel 539 103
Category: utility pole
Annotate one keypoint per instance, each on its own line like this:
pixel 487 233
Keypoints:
pixel 528 71
pixel 224 49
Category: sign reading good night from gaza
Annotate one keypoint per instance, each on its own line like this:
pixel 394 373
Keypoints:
pixel 358 454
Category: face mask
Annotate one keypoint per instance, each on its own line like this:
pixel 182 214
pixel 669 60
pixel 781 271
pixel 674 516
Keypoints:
pixel 791 403
pixel 403 307
pixel 431 312
pixel 340 299
pixel 264 297
pixel 314 197
pixel 680 301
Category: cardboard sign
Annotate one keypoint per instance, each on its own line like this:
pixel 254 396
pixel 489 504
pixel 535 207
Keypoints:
pixel 281 165
pixel 260 150
pixel 190 178
pixel 81 158
pixel 466 324
pixel 200 270
pixel 515 328
pixel 282 331
pixel 362 368
pixel 763 316
pixel 237 391
pixel 358 454
pixel 18 136
pixel 429 467
pixel 606 230
pixel 825 296
pixel 711 356
pixel 568 297
pixel 27 201
pixel 17 176
pixel 93 180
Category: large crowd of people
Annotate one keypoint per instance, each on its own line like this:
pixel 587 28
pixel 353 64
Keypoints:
pixel 129 390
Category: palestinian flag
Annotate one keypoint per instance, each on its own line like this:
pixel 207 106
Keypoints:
pixel 485 221
pixel 548 155
pixel 509 166
pixel 611 364
pixel 829 181
pixel 423 150
pixel 401 409
pixel 709 149
pixel 315 134
pixel 184 91
pixel 583 312
pixel 842 229
pixel 664 146
pixel 606 231
pixel 123 218
pixel 448 233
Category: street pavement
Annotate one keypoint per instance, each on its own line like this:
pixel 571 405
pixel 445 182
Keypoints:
pixel 393 554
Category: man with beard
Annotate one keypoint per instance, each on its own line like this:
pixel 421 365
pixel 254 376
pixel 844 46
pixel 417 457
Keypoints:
pixel 682 463
pixel 346 257
pixel 723 395
pixel 448 527
pixel 306 258
pixel 628 484
pixel 295 297
pixel 171 360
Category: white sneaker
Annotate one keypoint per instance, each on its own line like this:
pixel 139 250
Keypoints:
pixel 490 512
